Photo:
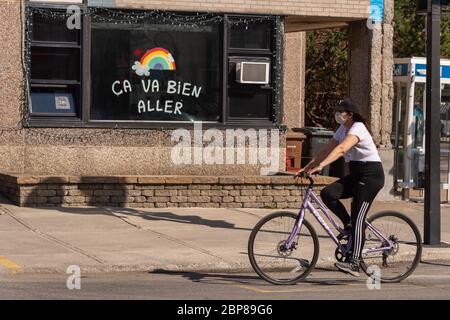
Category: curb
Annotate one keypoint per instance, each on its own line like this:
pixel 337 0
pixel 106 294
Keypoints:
pixel 220 267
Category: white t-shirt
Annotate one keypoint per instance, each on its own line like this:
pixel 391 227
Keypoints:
pixel 365 149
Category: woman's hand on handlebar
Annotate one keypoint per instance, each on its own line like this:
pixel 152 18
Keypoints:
pixel 302 173
pixel 315 170
pixel 308 172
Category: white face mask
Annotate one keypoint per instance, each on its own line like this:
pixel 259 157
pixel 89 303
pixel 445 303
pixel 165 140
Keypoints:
pixel 339 117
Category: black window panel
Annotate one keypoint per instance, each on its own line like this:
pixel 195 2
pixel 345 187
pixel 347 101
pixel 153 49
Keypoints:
pixel 198 53
pixel 248 103
pixel 55 63
pixel 54 30
pixel 60 101
pixel 198 57
pixel 255 35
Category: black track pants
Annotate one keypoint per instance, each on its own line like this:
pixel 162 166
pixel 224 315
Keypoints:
pixel 362 184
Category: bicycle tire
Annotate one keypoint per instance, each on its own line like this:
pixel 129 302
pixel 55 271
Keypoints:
pixel 418 243
pixel 251 244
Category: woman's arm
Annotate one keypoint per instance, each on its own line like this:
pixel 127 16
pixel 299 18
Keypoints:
pixel 349 141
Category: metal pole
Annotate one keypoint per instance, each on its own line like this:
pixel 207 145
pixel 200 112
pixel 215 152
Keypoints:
pixel 432 219
pixel 408 155
pixel 397 117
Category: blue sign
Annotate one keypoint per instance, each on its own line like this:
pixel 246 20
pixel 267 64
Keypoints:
pixel 421 71
pixel 377 10
pixel 401 70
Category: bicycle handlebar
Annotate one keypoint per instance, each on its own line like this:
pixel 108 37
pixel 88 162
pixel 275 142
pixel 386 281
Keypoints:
pixel 306 176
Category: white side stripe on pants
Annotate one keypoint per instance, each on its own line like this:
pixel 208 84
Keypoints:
pixel 359 229
pixel 356 243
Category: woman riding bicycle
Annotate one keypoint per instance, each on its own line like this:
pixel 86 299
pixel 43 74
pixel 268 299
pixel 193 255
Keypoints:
pixel 353 141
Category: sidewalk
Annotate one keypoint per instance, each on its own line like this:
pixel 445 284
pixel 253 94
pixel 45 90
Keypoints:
pixel 99 239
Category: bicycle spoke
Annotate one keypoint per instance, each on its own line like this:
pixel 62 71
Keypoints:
pixel 272 260
pixel 395 262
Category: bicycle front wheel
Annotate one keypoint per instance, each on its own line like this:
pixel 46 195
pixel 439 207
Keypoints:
pixel 271 260
pixel 397 263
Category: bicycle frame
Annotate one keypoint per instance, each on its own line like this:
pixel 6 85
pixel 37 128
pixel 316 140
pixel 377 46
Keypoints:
pixel 308 201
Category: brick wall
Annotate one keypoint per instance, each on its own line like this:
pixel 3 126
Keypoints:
pixel 341 8
pixel 319 8
pixel 156 191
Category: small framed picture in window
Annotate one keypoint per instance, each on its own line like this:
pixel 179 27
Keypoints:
pixel 62 102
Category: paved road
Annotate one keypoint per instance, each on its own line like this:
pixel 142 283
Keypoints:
pixel 429 281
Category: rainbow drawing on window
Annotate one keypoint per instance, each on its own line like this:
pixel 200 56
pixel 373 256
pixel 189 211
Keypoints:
pixel 154 59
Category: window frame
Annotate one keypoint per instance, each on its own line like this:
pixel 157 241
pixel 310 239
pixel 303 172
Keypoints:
pixel 45 119
pixel 84 102
pixel 258 53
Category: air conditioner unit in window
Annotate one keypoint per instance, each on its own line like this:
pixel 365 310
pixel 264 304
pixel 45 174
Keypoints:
pixel 252 72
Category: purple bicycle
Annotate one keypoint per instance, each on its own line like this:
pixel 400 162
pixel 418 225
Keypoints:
pixel 284 247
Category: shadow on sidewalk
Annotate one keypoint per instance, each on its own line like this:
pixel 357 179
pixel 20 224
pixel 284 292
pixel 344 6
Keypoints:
pixel 441 263
pixel 172 217
pixel 168 216
pixel 332 282
pixel 108 209
pixel 220 278
pixel 122 213
pixel 211 278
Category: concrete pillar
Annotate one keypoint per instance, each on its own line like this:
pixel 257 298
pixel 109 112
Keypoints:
pixel 371 87
pixel 359 65
pixel 387 96
pixel 294 79
pixel 11 89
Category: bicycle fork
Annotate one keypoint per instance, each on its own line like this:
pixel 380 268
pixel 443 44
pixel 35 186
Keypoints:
pixel 290 244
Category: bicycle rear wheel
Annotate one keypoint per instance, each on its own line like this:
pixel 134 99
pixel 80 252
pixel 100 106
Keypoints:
pixel 271 260
pixel 398 263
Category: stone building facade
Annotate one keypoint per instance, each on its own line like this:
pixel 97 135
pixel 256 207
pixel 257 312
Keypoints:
pixel 43 146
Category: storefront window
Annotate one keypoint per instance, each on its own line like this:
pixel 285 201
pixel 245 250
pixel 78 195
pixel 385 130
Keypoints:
pixel 45 60
pixel 155 72
pixel 55 79
pixel 45 29
pixel 248 103
pixel 256 35
pixel 146 68
pixel 251 42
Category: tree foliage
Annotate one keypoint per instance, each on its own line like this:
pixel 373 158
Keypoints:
pixel 327 59
pixel 409 31
pixel 326 75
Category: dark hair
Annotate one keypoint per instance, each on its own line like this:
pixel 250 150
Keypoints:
pixel 359 118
